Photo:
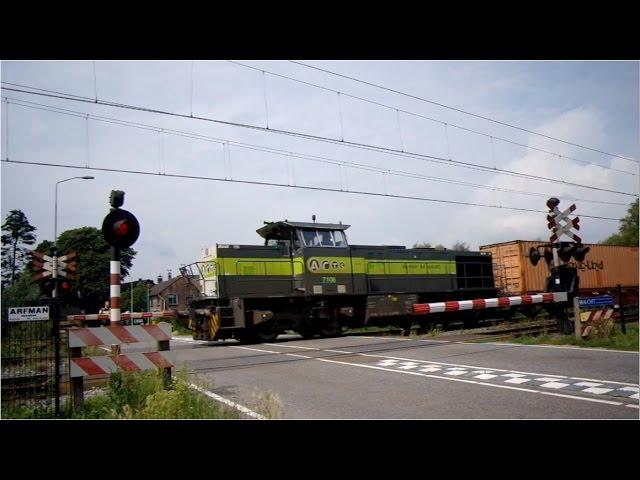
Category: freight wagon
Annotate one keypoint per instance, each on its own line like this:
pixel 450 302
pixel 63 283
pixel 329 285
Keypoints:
pixel 604 267
pixel 306 277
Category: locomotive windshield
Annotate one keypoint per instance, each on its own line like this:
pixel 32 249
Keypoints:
pixel 323 238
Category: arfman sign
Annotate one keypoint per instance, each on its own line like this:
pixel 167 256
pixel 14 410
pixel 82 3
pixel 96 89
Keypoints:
pixel 27 314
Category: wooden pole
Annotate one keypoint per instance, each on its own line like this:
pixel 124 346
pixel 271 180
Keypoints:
pixel 576 317
pixel 77 383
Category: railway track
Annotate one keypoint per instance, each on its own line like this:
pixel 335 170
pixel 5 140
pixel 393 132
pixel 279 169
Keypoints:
pixel 503 330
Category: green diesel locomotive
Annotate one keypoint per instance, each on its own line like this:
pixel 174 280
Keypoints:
pixel 307 278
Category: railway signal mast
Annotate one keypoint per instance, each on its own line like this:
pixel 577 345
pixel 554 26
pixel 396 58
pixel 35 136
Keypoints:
pixel 557 253
pixel 120 229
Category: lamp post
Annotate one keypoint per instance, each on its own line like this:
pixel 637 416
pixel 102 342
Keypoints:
pixel 54 273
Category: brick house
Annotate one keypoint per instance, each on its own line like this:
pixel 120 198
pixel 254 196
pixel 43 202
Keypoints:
pixel 174 293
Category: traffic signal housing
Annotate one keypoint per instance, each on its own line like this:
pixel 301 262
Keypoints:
pixel 534 256
pixel 120 228
pixel 580 252
pixel 566 250
pixel 65 290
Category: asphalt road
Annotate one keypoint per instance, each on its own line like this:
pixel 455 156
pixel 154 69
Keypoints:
pixel 396 378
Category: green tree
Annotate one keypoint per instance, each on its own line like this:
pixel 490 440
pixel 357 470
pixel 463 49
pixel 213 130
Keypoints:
pixel 22 291
pixel 139 297
pixel 628 231
pixel 93 256
pixel 19 233
pixel 461 246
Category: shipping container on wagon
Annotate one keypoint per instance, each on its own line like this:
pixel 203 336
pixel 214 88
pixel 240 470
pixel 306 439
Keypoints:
pixel 604 267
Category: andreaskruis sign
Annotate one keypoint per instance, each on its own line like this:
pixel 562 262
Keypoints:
pixel 26 314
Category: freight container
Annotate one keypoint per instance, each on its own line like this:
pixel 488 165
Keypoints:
pixel 604 267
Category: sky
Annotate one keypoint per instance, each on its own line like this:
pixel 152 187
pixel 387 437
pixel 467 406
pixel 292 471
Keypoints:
pixel 594 104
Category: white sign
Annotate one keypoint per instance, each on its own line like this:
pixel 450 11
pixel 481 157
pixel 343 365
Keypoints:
pixel 27 314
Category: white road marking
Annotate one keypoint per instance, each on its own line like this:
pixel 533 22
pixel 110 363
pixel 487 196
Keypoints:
pixel 256 349
pixel 455 372
pixel 494 385
pixel 634 396
pixel 514 375
pixel 584 384
pixel 550 377
pixel 228 402
pixel 517 380
pixel 555 385
pixel 628 389
pixel 483 376
pixel 631 405
pixel 558 377
pixel 596 390
pixel 290 346
pixel 409 365
pixel 387 363
pixel 427 370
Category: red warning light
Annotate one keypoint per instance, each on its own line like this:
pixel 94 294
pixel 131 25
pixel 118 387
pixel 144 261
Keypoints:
pixel 122 228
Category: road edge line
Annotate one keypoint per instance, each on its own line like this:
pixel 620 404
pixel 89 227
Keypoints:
pixel 237 406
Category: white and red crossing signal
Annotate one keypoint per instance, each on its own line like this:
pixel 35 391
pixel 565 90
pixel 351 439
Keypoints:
pixel 45 266
pixel 558 228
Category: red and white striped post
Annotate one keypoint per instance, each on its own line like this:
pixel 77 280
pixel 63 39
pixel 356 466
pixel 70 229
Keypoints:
pixel 114 286
pixel 114 293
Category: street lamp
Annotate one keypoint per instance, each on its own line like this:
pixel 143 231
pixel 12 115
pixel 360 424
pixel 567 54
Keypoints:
pixel 55 233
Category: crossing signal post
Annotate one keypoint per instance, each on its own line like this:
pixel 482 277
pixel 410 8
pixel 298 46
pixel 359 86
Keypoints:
pixel 558 254
pixel 120 229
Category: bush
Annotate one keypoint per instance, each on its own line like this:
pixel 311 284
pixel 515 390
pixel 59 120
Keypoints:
pixel 137 395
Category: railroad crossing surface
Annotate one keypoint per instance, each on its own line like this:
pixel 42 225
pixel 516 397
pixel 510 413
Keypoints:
pixel 356 377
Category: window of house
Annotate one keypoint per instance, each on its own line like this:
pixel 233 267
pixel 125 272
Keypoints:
pixel 172 299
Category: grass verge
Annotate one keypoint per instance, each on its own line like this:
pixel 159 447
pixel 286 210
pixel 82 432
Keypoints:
pixel 140 395
pixel 616 341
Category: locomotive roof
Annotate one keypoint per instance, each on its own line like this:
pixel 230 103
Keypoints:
pixel 273 227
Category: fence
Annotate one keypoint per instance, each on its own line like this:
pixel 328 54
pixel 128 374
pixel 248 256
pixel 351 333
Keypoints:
pixel 33 374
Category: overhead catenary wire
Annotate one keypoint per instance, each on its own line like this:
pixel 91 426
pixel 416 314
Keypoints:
pixel 302 187
pixel 483 117
pixel 386 150
pixel 224 142
pixel 391 107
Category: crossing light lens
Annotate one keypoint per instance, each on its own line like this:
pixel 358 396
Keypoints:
pixel 548 256
pixel 122 228
pixel 580 252
pixel 534 256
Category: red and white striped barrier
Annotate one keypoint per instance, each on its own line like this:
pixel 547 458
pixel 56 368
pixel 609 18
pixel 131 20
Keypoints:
pixel 592 316
pixel 118 335
pixel 90 366
pixel 123 316
pixel 595 315
pixel 455 306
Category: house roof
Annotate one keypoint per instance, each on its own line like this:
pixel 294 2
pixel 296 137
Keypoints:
pixel 160 287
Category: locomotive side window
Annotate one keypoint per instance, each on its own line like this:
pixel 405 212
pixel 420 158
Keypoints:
pixel 339 238
pixel 323 238
pixel 326 240
pixel 310 238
